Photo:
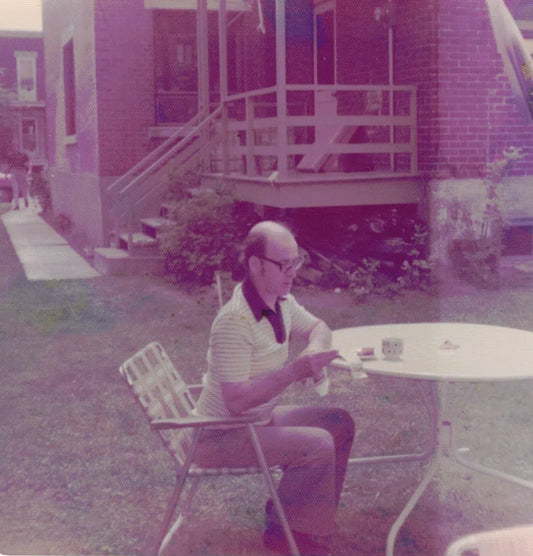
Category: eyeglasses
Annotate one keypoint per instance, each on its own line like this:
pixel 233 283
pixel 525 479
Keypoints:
pixel 286 266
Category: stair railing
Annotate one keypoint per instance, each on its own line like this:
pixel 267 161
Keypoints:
pixel 131 189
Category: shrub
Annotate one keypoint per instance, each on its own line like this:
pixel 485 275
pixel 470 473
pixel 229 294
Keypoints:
pixel 471 229
pixel 204 235
pixel 383 255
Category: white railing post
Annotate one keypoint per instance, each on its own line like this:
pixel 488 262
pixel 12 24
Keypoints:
pixel 130 231
pixel 203 58
pixel 281 90
pixel 250 136
pixel 414 131
pixel 391 127
pixel 223 71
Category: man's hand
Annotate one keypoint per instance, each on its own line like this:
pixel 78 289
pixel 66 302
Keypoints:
pixel 310 365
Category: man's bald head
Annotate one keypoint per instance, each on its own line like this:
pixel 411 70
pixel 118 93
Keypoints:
pixel 259 236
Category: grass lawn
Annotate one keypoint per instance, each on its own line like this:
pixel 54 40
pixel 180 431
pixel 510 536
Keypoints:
pixel 83 474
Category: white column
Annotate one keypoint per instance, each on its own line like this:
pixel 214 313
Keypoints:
pixel 223 50
pixel 281 82
pixel 203 60
pixel 391 81
pixel 223 80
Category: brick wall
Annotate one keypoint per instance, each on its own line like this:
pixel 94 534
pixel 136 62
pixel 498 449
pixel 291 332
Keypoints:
pixel 416 62
pixel 125 82
pixel 64 21
pixel 362 43
pixel 114 101
pixel 11 42
pixel 466 109
pixel 478 115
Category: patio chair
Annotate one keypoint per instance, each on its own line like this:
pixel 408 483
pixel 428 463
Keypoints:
pixel 511 541
pixel 169 404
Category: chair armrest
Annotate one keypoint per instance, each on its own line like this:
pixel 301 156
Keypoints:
pixel 195 389
pixel 200 421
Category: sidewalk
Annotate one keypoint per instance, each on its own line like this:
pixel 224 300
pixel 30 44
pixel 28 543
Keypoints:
pixel 43 253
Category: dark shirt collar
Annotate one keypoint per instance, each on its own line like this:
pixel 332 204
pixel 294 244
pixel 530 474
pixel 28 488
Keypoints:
pixel 255 301
pixel 260 309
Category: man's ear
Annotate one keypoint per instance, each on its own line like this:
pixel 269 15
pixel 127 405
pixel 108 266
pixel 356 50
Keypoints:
pixel 254 264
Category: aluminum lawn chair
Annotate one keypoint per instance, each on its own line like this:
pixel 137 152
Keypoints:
pixel 169 404
pixel 511 541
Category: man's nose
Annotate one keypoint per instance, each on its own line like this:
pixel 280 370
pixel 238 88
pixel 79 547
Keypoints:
pixel 291 272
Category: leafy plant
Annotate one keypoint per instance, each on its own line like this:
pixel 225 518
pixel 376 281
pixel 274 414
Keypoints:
pixel 476 261
pixel 473 231
pixel 204 235
pixel 416 272
pixel 410 268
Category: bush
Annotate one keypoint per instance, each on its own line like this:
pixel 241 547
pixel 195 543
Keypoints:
pixel 204 236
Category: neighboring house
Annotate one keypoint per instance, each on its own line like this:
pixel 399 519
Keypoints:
pixel 22 73
pixel 296 103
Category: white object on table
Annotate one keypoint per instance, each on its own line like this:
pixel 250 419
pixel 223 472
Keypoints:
pixel 446 353
pixel 322 386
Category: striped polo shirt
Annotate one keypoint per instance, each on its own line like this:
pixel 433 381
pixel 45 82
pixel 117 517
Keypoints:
pixel 243 346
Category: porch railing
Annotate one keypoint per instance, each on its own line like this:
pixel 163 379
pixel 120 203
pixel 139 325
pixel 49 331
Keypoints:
pixel 326 128
pixel 355 129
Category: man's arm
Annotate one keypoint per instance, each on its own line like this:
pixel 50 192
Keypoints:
pixel 318 338
pixel 241 396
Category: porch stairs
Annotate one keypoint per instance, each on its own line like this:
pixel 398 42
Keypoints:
pixel 134 200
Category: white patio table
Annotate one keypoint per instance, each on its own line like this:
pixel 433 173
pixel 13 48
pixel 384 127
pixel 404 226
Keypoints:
pixel 446 353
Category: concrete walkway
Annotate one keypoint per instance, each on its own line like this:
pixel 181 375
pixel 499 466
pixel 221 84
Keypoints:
pixel 43 253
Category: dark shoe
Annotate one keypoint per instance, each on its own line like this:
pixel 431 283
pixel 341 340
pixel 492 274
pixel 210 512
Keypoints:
pixel 274 539
pixel 270 511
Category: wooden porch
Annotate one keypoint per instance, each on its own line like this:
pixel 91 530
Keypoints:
pixel 327 190
pixel 319 145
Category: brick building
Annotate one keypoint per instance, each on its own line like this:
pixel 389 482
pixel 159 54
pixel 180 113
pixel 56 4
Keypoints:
pixel 322 102
pixel 22 74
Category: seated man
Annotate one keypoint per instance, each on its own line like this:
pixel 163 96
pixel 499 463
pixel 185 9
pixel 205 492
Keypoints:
pixel 248 370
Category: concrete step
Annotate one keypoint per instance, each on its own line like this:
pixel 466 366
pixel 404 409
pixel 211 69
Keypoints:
pixel 111 261
pixel 167 208
pixel 143 244
pixel 152 226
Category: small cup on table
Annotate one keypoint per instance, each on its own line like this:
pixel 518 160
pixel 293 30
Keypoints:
pixel 392 348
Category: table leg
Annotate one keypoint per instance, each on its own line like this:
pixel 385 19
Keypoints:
pixel 460 460
pixel 446 447
pixel 441 443
pixel 431 402
pixel 400 520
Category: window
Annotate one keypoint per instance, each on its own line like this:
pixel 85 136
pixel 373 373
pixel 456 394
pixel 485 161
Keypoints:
pixel 28 134
pixel 70 88
pixel 26 76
